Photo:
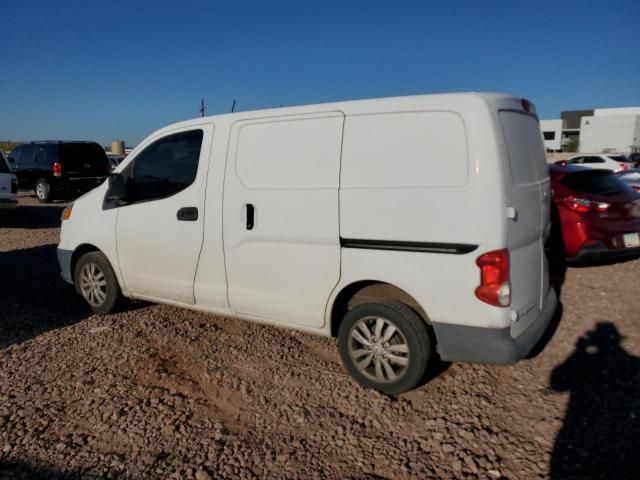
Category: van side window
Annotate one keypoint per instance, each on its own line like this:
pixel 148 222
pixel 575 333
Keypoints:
pixel 165 167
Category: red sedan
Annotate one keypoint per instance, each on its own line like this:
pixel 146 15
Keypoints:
pixel 599 214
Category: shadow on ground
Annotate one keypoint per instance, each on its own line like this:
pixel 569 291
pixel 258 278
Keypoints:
pixel 33 297
pixel 9 469
pixel 601 431
pixel 32 217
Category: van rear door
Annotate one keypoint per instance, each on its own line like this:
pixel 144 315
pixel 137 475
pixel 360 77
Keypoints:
pixel 528 209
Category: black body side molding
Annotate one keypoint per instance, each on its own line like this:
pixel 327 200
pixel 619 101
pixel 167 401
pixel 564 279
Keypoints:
pixel 431 247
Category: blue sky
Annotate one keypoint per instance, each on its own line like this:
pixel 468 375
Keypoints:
pixel 121 69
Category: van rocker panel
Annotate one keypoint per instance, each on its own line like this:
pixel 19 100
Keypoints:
pixel 462 343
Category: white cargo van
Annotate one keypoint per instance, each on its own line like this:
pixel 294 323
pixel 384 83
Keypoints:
pixel 399 225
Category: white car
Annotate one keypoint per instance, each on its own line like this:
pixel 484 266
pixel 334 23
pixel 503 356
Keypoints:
pixel 8 185
pixel 610 161
pixel 399 225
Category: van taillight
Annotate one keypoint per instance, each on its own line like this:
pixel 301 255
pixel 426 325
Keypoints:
pixel 57 169
pixel 14 185
pixel 494 288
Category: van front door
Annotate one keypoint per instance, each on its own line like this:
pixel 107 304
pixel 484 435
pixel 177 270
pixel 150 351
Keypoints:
pixel 159 229
pixel 281 235
pixel 529 203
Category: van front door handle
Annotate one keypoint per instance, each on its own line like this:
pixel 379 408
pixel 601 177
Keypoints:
pixel 250 216
pixel 187 214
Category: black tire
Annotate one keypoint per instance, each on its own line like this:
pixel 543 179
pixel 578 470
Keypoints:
pixel 92 273
pixel 43 191
pixel 411 332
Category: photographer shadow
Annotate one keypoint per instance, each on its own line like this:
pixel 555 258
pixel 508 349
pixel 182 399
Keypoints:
pixel 601 429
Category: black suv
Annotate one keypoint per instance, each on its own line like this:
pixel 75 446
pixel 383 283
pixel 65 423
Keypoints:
pixel 59 168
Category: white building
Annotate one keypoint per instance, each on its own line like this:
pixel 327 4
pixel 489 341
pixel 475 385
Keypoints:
pixel 602 130
pixel 552 134
pixel 610 130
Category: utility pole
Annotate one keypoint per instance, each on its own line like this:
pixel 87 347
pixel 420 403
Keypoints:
pixel 202 107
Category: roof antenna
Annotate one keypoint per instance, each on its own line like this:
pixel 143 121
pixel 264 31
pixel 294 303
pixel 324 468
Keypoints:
pixel 233 106
pixel 202 107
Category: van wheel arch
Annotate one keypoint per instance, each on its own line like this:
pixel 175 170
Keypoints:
pixel 371 291
pixel 79 252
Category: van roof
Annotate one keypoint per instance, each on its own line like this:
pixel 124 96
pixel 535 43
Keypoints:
pixel 445 101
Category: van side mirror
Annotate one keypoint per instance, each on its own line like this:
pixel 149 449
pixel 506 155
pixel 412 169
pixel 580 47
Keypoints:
pixel 117 189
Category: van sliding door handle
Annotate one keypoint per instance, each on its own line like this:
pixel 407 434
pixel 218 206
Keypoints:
pixel 250 216
pixel 187 214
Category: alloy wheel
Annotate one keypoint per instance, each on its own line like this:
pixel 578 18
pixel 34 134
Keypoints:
pixel 378 349
pixel 93 284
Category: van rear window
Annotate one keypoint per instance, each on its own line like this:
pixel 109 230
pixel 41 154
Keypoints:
pixel 596 183
pixel 525 148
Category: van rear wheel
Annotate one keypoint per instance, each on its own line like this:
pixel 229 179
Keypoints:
pixel 95 281
pixel 384 346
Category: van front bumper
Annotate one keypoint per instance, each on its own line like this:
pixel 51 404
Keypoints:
pixel 64 259
pixel 460 343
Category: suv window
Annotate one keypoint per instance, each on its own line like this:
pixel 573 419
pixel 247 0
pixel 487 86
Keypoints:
pixel 28 156
pixel 577 160
pixel 16 156
pixel 4 168
pixel 46 155
pixel 596 182
pixel 165 167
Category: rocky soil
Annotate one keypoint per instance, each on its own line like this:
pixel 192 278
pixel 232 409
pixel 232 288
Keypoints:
pixel 157 392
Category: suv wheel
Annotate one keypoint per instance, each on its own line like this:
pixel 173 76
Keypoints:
pixel 43 190
pixel 95 281
pixel 384 346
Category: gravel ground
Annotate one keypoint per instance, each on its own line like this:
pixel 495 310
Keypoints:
pixel 158 392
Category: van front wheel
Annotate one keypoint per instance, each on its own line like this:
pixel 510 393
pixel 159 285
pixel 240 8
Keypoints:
pixel 95 281
pixel 384 346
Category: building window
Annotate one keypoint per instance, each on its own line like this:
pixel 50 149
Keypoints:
pixel 549 135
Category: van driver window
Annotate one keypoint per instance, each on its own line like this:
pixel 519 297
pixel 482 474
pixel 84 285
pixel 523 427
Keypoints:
pixel 165 167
